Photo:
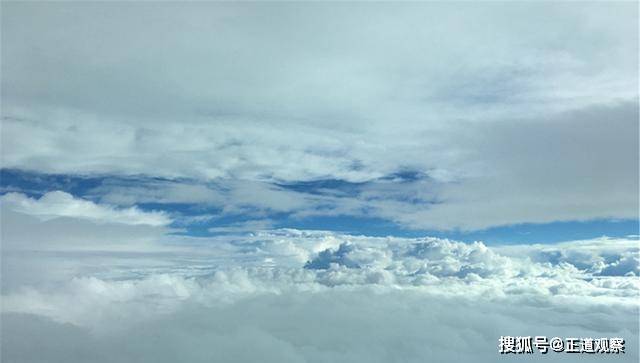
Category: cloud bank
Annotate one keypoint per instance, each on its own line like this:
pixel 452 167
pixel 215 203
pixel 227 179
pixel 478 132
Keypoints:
pixel 320 296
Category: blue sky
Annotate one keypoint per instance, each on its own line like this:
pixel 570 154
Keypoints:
pixel 91 188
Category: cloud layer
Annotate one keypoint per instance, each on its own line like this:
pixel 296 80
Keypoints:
pixel 594 272
pixel 333 326
pixel 508 120
pixel 320 297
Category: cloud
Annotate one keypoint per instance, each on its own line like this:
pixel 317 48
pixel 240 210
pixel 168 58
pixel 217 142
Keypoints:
pixel 328 326
pixel 316 296
pixel 506 120
pixel 58 221
pixel 599 256
pixel 285 260
pixel 60 204
pixel 496 173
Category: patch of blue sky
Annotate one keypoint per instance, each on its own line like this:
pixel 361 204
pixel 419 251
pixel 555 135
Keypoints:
pixel 325 187
pixel 528 233
pixel 202 219
pixel 512 234
pixel 35 184
pixel 405 176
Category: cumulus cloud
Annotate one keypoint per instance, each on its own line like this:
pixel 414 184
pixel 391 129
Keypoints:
pixel 599 256
pixel 319 296
pixel 289 259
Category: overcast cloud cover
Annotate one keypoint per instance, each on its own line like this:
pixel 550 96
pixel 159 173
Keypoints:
pixel 290 182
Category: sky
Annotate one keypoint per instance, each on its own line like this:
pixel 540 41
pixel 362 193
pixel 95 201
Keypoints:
pixel 173 166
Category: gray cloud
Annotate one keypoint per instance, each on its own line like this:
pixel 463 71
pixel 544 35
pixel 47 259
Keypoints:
pixel 334 326
pixel 499 113
pixel 521 112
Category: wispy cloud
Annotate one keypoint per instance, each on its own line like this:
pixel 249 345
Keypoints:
pixel 60 204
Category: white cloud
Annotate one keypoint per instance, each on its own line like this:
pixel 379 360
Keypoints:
pixel 60 223
pixel 60 204
pixel 286 260
pixel 507 117
pixel 412 296
pixel 600 256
